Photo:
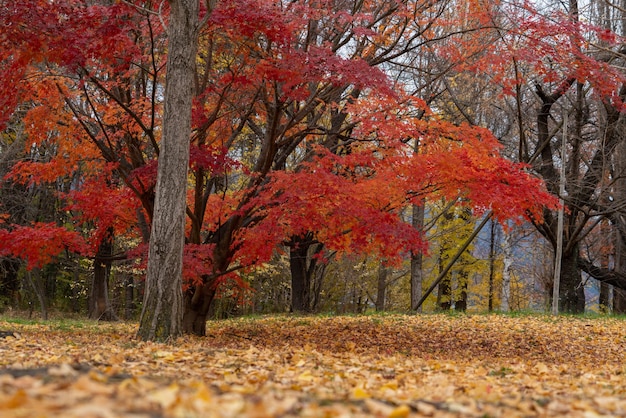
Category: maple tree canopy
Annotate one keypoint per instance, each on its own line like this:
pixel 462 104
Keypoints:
pixel 290 135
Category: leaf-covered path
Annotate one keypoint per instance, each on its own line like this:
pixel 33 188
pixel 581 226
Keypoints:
pixel 379 366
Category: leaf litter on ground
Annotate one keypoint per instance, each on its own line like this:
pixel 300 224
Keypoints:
pixel 283 366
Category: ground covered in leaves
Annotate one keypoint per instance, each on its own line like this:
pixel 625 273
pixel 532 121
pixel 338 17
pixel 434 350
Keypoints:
pixel 372 366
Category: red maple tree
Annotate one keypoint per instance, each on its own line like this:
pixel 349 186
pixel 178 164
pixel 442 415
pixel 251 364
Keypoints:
pixel 296 130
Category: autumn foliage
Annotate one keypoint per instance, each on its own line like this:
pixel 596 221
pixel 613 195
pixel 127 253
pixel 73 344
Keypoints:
pixel 379 366
pixel 88 74
pixel 303 122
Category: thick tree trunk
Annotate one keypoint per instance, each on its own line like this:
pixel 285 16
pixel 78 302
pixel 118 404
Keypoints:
pixel 98 301
pixel 162 314
pixel 572 293
pixel 300 279
pixel 197 303
pixel 306 272
pixel 603 298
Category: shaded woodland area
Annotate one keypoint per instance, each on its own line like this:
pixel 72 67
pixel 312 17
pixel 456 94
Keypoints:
pixel 341 152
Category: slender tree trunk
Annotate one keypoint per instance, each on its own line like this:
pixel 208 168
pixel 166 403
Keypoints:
pixel 9 280
pixel 492 265
pixel 619 295
pixel 417 278
pixel 129 297
pixel 317 280
pixel 619 301
pixel 444 290
pixel 460 304
pixel 39 290
pixel 507 263
pixel 381 296
pixel 98 301
pixel 444 297
pixel 162 314
pixel 605 289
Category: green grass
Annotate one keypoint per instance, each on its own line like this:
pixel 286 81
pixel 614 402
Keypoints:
pixel 60 323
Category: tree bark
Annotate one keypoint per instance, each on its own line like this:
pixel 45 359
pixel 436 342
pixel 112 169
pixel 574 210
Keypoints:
pixel 300 279
pixel 381 295
pixel 492 264
pixel 197 302
pixel 507 263
pixel 417 278
pixel 572 292
pixel 39 290
pixel 129 297
pixel 98 301
pixel 444 295
pixel 619 301
pixel 460 304
pixel 306 272
pixel 9 281
pixel 603 298
pixel 162 314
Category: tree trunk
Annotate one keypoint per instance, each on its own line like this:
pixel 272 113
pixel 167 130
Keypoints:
pixel 129 297
pixel 39 290
pixel 492 265
pixel 300 279
pixel 572 293
pixel 9 281
pixel 603 298
pixel 197 303
pixel 381 295
pixel 619 301
pixel 444 290
pixel 98 301
pixel 444 296
pixel 317 279
pixel 460 304
pixel 162 314
pixel 306 272
pixel 417 279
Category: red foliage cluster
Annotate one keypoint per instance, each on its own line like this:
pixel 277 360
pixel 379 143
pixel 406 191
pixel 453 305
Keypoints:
pixel 273 86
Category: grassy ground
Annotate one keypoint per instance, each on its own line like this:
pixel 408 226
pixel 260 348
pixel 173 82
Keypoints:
pixel 363 366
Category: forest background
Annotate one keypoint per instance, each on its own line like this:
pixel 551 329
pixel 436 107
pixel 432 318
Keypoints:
pixel 341 153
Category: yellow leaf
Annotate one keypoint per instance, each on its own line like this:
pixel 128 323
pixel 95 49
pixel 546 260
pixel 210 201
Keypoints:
pixel 165 355
pixel 306 376
pixel 402 411
pixel 165 397
pixel 97 358
pixel 541 368
pixel 393 385
pixel 360 393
